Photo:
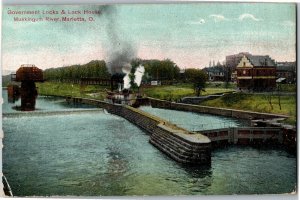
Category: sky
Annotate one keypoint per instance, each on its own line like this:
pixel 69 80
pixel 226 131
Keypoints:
pixel 190 34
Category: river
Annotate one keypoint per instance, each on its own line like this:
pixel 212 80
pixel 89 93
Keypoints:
pixel 96 154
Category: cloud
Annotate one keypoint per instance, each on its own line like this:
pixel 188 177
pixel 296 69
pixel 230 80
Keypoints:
pixel 199 22
pixel 288 23
pixel 218 18
pixel 248 16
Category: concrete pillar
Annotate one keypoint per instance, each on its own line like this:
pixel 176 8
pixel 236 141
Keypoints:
pixel 28 95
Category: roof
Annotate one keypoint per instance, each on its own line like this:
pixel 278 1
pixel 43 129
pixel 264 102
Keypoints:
pixel 286 66
pixel 259 61
pixel 233 60
pixel 32 73
pixel 215 69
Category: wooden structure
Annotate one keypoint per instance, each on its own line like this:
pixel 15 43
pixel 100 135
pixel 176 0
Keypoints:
pixel 94 81
pixel 256 73
pixel 28 74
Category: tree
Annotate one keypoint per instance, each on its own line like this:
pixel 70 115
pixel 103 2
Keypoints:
pixel 159 69
pixel 93 69
pixel 198 78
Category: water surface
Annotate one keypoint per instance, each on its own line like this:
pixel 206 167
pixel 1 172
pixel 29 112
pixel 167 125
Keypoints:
pixel 195 121
pixel 95 154
pixel 43 103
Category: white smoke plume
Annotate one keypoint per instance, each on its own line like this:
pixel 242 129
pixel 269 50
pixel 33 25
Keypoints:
pixel 126 70
pixel 138 75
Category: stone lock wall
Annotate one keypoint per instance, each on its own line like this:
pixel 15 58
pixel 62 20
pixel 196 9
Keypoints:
pixel 195 148
pixel 284 135
pixel 157 103
pixel 176 142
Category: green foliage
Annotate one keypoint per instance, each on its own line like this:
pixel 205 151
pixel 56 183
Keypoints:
pixel 226 84
pixel 95 69
pixel 170 92
pixel 219 84
pixel 68 89
pixel 288 87
pixel 154 70
pixel 257 103
pixel 198 78
pixel 158 69
pixel 233 99
pixel 176 92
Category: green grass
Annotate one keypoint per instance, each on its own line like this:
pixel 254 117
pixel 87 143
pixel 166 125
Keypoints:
pixel 68 89
pixel 228 85
pixel 169 92
pixel 288 87
pixel 257 103
pixel 250 102
pixel 175 92
pixel 209 91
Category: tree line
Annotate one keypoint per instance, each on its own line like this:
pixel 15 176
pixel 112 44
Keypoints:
pixel 95 68
pixel 154 70
pixel 158 69
pixel 161 70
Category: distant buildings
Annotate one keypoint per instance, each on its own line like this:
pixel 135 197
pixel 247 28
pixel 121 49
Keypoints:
pixel 256 72
pixel 233 60
pixel 286 70
pixel 215 72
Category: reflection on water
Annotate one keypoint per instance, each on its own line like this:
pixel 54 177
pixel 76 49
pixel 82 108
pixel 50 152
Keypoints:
pixel 194 121
pixel 43 103
pixel 93 154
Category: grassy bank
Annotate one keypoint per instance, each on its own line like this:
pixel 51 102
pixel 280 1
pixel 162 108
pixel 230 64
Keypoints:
pixel 250 102
pixel 68 89
pixel 167 92
pixel 175 92
pixel 258 103
pixel 288 88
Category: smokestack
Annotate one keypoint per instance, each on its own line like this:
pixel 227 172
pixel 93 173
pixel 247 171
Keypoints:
pixel 115 80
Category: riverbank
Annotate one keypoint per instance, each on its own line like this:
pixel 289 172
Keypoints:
pixel 258 103
pixel 247 102
pixel 166 92
pixel 69 89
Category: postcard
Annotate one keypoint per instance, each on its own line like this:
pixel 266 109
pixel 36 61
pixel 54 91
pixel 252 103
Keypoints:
pixel 190 99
